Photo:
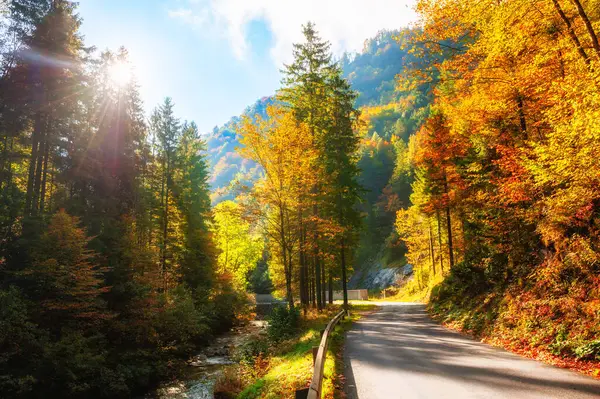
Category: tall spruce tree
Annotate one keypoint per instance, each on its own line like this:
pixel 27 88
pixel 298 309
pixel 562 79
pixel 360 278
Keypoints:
pixel 340 163
pixel 304 92
pixel 167 130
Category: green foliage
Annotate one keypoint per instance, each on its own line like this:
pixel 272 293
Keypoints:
pixel 253 349
pixel 108 265
pixel 239 247
pixel 180 323
pixel 253 391
pixel 589 351
pixel 20 343
pixel 260 280
pixel 224 307
pixel 283 323
pixel 561 344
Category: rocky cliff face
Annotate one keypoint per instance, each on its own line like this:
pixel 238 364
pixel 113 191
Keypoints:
pixel 380 278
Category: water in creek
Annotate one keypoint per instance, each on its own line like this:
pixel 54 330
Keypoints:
pixel 198 382
pixel 199 376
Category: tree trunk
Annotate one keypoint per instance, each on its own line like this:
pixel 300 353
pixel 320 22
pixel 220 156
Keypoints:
pixel 330 289
pixel 288 281
pixel 588 26
pixel 449 227
pixel 439 226
pixel 33 162
pixel 571 32
pixel 165 231
pixel 286 270
pixel 3 176
pixel 44 177
pixel 311 285
pixel 37 182
pixel 51 191
pixel 317 271
pixel 323 285
pixel 431 251
pixel 344 285
pixel 450 245
pixel 521 111
pixel 302 256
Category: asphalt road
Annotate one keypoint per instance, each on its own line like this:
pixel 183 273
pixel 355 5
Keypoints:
pixel 399 352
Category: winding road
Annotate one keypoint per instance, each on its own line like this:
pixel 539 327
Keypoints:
pixel 399 352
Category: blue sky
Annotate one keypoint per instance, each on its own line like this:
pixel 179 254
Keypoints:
pixel 215 57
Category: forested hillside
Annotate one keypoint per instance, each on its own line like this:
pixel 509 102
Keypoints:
pixel 108 272
pixel 466 146
pixel 504 222
pixel 389 116
pixel 371 73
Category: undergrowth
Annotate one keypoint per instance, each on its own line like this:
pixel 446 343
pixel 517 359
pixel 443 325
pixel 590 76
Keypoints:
pixel 288 364
pixel 556 321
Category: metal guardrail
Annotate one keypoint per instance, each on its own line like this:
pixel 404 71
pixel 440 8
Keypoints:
pixel 314 390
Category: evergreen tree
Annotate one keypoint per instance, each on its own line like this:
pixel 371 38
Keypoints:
pixel 166 129
pixel 304 92
pixel 193 200
pixel 340 163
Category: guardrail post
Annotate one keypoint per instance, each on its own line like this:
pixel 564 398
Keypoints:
pixel 314 391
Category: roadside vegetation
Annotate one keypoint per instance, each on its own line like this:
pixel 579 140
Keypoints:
pixel 504 223
pixel 275 365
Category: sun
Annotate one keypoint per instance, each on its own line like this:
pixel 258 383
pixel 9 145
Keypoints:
pixel 120 74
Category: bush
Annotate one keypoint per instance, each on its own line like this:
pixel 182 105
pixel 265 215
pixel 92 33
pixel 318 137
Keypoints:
pixel 21 345
pixel 229 384
pixel 224 309
pixel 283 323
pixel 589 351
pixel 252 350
pixel 180 323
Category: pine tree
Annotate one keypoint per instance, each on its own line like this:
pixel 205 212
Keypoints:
pixel 340 163
pixel 304 92
pixel 167 130
pixel 192 194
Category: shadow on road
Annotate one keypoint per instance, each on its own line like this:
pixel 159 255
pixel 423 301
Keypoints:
pixel 402 343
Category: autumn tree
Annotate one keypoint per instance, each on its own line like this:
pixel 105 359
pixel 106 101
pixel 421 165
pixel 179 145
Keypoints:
pixel 283 148
pixel 66 281
pixel 240 248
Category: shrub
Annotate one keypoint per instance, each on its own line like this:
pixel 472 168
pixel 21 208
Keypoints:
pixel 252 350
pixel 229 384
pixel 180 323
pixel 589 351
pixel 224 309
pixel 561 345
pixel 283 323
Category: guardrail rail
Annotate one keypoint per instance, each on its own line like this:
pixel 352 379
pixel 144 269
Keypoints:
pixel 319 353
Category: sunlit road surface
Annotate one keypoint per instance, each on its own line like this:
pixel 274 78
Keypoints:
pixel 399 352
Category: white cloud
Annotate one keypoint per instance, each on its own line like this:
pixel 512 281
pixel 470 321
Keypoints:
pixel 345 23
pixel 189 16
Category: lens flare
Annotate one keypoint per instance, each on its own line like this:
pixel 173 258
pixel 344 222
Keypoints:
pixel 120 74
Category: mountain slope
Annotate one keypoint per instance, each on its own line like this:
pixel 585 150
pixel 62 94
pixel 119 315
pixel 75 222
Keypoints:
pixel 390 117
pixel 371 73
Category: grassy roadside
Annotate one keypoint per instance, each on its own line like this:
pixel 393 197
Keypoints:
pixel 289 365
